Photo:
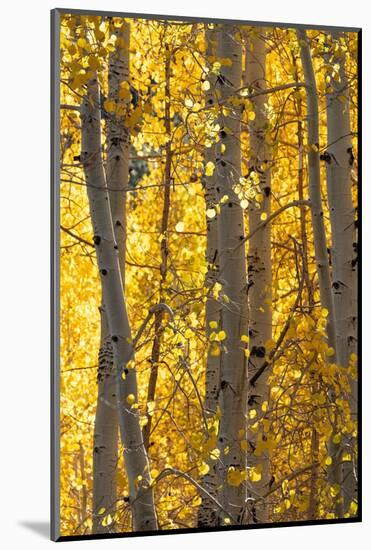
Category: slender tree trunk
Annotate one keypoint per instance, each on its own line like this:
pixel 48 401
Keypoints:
pixel 208 513
pixel 136 460
pixel 259 271
pixel 315 438
pixel 339 159
pixel 105 456
pixel 319 234
pixel 156 347
pixel 105 452
pixel 233 278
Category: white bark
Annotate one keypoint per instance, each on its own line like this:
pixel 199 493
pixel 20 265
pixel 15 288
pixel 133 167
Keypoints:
pixel 136 460
pixel 319 234
pixel 208 512
pixel 105 455
pixel 339 159
pixel 105 452
pixel 259 268
pixel 233 374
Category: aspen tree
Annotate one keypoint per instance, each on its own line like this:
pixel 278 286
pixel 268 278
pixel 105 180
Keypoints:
pixel 259 267
pixel 207 514
pixel 320 245
pixel 136 460
pixel 339 160
pixel 232 277
pixel 105 455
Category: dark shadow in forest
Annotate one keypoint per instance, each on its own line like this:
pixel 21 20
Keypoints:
pixel 42 528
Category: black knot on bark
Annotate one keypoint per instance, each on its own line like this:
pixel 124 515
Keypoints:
pixel 115 338
pixel 96 239
pixel 223 134
pixel 104 271
pixel 267 191
pixel 258 351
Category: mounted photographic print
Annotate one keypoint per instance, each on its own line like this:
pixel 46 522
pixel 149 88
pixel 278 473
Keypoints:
pixel 205 190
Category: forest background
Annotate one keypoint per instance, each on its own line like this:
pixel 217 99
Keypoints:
pixel 32 509
pixel 248 368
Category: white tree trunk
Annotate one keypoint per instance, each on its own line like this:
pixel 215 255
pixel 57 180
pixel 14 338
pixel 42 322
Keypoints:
pixel 105 456
pixel 136 460
pixel 233 368
pixel 319 234
pixel 208 513
pixel 339 158
pixel 105 451
pixel 259 269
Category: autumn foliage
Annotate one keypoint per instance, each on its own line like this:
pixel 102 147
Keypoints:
pixel 298 442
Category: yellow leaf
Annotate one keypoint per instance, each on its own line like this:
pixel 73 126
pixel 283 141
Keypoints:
pixel 222 335
pixel 213 324
pixel 93 62
pixel 263 216
pixel 135 117
pixel 188 333
pixel 215 454
pixel 209 168
pixel 244 338
pixel 215 350
pixel 251 115
pixel 211 213
pixel 203 469
pixel 336 439
pixel 255 475
pixel 124 93
pixel 107 520
pixel 328 461
pixel 130 399
pixel 110 106
pixel 353 508
pixel 101 511
pixel 205 86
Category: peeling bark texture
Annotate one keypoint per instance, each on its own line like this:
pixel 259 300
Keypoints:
pixel 232 277
pixel 208 513
pixel 343 253
pixel 259 269
pixel 105 456
pixel 136 460
pixel 319 234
